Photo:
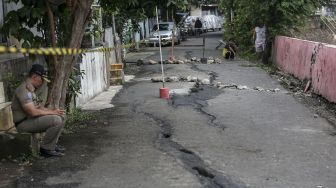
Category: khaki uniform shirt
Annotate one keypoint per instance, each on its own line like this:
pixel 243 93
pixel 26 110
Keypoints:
pixel 24 94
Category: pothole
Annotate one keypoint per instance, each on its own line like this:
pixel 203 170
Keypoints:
pixel 197 99
pixel 166 135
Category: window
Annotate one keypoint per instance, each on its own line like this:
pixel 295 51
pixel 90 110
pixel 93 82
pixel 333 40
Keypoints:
pixel 163 27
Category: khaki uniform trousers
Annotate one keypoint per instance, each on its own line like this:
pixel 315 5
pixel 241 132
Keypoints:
pixel 50 124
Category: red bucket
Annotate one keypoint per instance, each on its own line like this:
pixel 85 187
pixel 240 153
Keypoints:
pixel 164 93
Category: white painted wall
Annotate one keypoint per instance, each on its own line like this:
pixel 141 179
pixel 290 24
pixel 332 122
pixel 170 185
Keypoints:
pixel 95 79
pixel 96 68
pixel 142 30
pixel 109 42
pixel 147 28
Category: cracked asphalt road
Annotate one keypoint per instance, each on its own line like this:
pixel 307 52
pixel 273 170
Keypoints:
pixel 212 138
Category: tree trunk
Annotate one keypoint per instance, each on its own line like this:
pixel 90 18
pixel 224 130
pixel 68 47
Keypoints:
pixel 268 52
pixel 52 33
pixel 63 67
pixel 272 17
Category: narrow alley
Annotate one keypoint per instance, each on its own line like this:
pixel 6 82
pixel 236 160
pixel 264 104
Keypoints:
pixel 212 137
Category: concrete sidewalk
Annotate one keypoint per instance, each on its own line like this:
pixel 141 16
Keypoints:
pixel 104 99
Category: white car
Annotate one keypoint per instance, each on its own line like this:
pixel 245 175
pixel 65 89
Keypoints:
pixel 166 33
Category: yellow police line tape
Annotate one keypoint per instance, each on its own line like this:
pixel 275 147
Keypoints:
pixel 57 51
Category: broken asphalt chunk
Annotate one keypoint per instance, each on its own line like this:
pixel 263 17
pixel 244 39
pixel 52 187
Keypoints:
pixel 152 62
pixel 242 87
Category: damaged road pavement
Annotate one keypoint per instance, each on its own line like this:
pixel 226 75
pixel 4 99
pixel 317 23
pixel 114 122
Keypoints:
pixel 233 126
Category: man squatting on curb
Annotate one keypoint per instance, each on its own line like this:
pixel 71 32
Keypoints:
pixel 29 116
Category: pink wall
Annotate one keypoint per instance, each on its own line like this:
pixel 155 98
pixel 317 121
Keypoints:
pixel 324 72
pixel 294 56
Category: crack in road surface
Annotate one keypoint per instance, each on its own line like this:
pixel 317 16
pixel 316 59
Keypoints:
pixel 198 101
pixel 209 177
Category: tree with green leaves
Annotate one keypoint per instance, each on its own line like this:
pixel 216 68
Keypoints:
pixel 279 16
pixel 61 23
pixel 137 11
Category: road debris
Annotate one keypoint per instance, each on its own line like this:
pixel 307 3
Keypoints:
pixel 218 84
pixel 210 61
pixel 230 86
pixel 156 79
pixel 172 79
pixel 193 60
pixel 218 61
pixel 259 88
pixel 152 62
pixel 180 61
pixel 242 87
pixel 168 61
pixel 192 79
pixel 205 81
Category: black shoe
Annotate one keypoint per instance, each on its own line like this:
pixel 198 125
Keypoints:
pixel 60 148
pixel 50 153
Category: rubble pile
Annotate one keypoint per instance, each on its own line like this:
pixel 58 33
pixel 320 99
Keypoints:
pixel 206 81
pixel 152 62
pixel 193 60
pixel 212 60
pixel 180 79
pixel 243 87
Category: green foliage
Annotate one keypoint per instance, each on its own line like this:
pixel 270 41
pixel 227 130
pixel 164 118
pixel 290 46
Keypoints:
pixel 74 85
pixel 76 118
pixel 33 14
pixel 25 159
pixel 135 11
pixel 18 21
pixel 97 30
pixel 203 2
pixel 12 82
pixel 279 16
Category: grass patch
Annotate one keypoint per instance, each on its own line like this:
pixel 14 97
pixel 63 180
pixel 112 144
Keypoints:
pixel 77 118
pixel 25 159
